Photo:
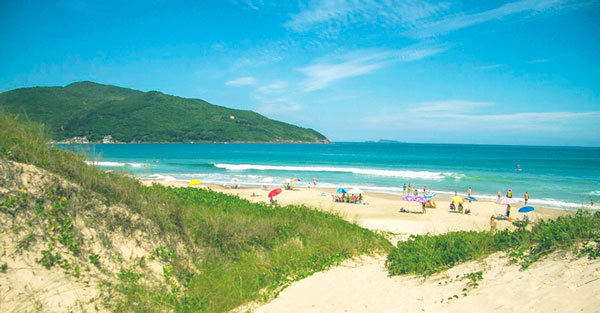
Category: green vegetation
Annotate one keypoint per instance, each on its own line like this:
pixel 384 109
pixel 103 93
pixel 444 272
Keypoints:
pixel 427 254
pixel 95 110
pixel 220 251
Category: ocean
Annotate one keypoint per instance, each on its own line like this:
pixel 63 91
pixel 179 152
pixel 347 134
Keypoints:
pixel 559 177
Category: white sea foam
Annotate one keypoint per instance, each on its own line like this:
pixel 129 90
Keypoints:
pixel 113 164
pixel 594 193
pixel 362 171
pixel 162 177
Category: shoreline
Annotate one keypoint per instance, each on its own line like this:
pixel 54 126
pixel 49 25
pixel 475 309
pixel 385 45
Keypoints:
pixel 562 205
pixel 381 211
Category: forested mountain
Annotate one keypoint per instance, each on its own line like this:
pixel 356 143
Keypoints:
pixel 96 110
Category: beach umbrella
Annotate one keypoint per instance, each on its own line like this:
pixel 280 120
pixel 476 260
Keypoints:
pixel 234 180
pixel 295 179
pixel 526 209
pixel 458 199
pixel 194 182
pixel 420 199
pixel 356 190
pixel 505 201
pixel 274 192
pixel 341 190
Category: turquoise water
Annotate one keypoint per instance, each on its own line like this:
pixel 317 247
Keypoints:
pixel 562 177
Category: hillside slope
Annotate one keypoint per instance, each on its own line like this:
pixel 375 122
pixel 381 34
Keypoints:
pixel 95 110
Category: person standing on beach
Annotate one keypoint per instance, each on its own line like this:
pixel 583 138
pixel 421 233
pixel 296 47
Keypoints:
pixel 315 181
pixel 508 210
pixel 492 223
pixel 469 191
pixel 408 189
pixel 423 207
pixel 526 197
pixel 404 189
pixel 509 193
pixel 424 189
pixel 499 194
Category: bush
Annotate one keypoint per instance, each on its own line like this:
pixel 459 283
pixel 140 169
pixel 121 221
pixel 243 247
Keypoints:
pixel 427 254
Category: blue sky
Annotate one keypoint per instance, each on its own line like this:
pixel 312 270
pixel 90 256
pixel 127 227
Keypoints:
pixel 520 72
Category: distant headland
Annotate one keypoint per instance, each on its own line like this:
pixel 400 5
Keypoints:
pixel 85 112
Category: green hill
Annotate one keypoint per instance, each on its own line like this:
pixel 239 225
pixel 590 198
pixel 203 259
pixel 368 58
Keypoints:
pixel 95 110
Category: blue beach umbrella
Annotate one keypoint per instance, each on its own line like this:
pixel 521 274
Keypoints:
pixel 526 209
pixel 430 195
pixel 471 198
pixel 342 190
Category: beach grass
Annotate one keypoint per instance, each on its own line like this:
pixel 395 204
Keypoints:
pixel 430 254
pixel 221 252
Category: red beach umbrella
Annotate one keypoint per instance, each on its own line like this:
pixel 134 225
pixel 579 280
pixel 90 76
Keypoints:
pixel 274 192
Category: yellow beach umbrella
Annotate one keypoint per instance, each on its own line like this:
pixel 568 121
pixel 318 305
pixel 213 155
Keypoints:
pixel 458 199
pixel 194 182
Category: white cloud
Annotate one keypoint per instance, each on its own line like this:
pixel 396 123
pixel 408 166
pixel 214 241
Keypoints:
pixel 241 81
pixel 335 13
pixel 414 18
pixel 462 115
pixel 458 21
pixel 448 106
pixel 322 75
pixel 358 63
pixel 272 87
pixel 537 61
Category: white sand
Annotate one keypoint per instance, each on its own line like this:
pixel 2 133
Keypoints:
pixel 557 284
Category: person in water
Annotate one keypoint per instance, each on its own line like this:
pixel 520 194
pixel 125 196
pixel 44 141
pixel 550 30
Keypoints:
pixel 404 190
pixel 509 193
pixel 315 181
pixel 526 197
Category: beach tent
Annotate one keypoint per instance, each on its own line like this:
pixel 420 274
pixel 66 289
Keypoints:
pixel 526 209
pixel 356 190
pixel 194 182
pixel 341 190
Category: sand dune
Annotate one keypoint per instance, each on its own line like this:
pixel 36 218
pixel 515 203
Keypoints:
pixel 560 283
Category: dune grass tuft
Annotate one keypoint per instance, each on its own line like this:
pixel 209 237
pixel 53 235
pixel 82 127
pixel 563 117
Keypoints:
pixel 429 254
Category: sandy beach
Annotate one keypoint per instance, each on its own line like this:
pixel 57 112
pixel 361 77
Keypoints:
pixel 559 283
pixel 381 212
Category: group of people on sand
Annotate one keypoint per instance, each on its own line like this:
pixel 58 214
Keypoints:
pixel 407 189
pixel 347 198
pixel 459 209
pixel 509 194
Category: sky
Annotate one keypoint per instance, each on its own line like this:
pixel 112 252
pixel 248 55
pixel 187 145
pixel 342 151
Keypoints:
pixel 484 72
